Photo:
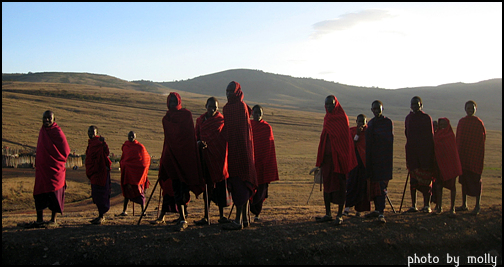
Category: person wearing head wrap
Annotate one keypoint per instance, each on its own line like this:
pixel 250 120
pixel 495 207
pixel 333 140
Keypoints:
pixel 179 159
pixel 471 137
pixel 50 172
pixel 335 157
pixel 241 167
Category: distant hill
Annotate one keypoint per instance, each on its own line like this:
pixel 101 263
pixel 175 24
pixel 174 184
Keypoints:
pixel 283 91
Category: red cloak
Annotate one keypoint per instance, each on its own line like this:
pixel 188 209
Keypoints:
pixel 215 155
pixel 471 136
pixel 50 159
pixel 135 163
pixel 97 161
pixel 238 132
pixel 447 157
pixel 360 144
pixel 342 148
pixel 264 152
pixel 180 152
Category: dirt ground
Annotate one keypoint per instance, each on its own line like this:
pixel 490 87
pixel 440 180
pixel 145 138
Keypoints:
pixel 286 235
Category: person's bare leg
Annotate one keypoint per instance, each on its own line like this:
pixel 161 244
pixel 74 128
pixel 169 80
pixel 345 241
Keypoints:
pixel 477 207
pixel 53 217
pixel 40 216
pixel 413 198
pixel 439 197
pixel 327 203
pixel 453 194
pixel 239 212
pixel 125 206
pixel 464 201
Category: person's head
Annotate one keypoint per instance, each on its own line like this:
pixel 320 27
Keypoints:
pixel 330 103
pixel 131 136
pixel 257 112
pixel 230 90
pixel 48 118
pixel 212 106
pixel 470 108
pixel 173 101
pixel 416 104
pixel 361 121
pixel 377 108
pixel 92 131
pixel 442 123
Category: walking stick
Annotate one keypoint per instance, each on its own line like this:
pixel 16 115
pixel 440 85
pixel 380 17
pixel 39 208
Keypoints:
pixel 147 205
pixel 229 216
pixel 310 193
pixel 158 203
pixel 207 204
pixel 391 204
pixel 404 191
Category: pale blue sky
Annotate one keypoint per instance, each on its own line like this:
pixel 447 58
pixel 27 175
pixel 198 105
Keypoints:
pixel 388 45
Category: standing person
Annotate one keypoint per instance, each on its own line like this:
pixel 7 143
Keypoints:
pixel 356 195
pixel 241 167
pixel 420 156
pixel 335 157
pixel 448 163
pixel 50 172
pixel 213 152
pixel 379 158
pixel 179 159
pixel 98 172
pixel 471 137
pixel 265 159
pixel 134 163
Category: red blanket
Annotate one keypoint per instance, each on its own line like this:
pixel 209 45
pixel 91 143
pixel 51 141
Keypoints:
pixel 135 163
pixel 215 155
pixel 447 157
pixel 238 134
pixel 471 136
pixel 50 159
pixel 97 161
pixel 264 152
pixel 419 141
pixel 180 153
pixel 337 127
pixel 360 144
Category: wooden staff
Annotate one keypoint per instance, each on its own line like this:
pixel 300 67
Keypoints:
pixel 143 211
pixel 404 191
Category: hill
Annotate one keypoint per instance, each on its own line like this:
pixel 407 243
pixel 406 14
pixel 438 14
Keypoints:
pixel 286 92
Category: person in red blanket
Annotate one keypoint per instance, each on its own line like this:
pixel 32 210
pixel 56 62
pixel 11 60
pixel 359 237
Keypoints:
pixel 213 152
pixel 180 161
pixel 242 175
pixel 448 164
pixel 134 164
pixel 98 172
pixel 471 136
pixel 335 157
pixel 50 159
pixel 265 159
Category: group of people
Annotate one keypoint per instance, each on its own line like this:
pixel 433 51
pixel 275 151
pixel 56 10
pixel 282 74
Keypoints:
pixel 230 158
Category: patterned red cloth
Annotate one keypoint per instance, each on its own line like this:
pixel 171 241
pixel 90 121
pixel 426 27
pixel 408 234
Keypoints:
pixel 238 134
pixel 447 157
pixel 419 141
pixel 264 152
pixel 360 145
pixel 342 148
pixel 471 136
pixel 180 152
pixel 50 160
pixel 97 161
pixel 134 163
pixel 215 155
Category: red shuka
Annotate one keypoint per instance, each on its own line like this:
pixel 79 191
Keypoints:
pixel 264 152
pixel 50 160
pixel 447 157
pixel 180 152
pixel 238 134
pixel 215 155
pixel 97 161
pixel 135 163
pixel 360 144
pixel 471 136
pixel 337 127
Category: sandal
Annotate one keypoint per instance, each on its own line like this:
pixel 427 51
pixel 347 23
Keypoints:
pixel 381 218
pixel 476 211
pixel 203 221
pixel 426 209
pixel 122 214
pixel 98 220
pixel 373 214
pixel 34 224
pixel 412 209
pixel 462 208
pixel 232 226
pixel 157 221
pixel 339 220
pixel 326 218
pixel 51 224
pixel 181 226
pixel 224 220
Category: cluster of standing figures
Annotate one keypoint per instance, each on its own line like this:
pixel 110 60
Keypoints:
pixel 231 159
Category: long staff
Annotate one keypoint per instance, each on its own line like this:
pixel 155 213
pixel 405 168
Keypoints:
pixel 159 202
pixel 390 202
pixel 147 205
pixel 310 193
pixel 404 191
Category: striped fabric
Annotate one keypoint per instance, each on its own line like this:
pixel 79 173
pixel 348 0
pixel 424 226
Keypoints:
pixel 238 134
pixel 360 145
pixel 447 157
pixel 419 141
pixel 379 149
pixel 134 163
pixel 264 152
pixel 215 155
pixel 471 136
pixel 337 127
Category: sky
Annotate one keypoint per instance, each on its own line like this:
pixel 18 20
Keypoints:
pixel 384 45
